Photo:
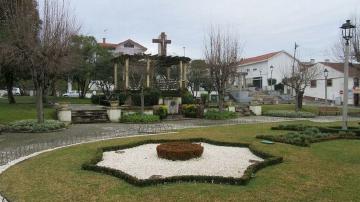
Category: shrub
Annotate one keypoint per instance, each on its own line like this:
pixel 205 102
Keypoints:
pixel 289 114
pixel 151 97
pixel 217 115
pixel 187 97
pixel 293 127
pixel 161 111
pixel 99 100
pixel 122 96
pixel 189 110
pixel 179 151
pixel 33 126
pixel 138 118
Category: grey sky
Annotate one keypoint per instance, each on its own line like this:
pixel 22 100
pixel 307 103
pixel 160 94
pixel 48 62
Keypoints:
pixel 263 25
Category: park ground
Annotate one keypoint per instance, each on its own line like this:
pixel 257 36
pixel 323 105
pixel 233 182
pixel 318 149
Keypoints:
pixel 327 171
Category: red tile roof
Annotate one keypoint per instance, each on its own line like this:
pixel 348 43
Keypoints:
pixel 108 45
pixel 259 58
pixel 354 69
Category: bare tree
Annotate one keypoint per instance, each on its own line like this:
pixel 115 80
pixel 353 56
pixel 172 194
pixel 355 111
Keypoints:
pixel 300 79
pixel 56 31
pixel 222 55
pixel 137 80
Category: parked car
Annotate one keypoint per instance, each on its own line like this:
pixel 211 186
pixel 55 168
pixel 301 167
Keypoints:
pixel 71 94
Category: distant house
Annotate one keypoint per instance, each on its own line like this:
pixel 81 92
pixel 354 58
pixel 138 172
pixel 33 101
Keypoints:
pixel 128 47
pixel 256 71
pixel 335 83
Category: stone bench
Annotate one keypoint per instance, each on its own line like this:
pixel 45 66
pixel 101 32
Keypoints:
pixel 329 111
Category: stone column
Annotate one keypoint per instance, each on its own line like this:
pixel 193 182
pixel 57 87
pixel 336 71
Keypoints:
pixel 126 73
pixel 148 73
pixel 181 75
pixel 185 76
pixel 168 73
pixel 115 76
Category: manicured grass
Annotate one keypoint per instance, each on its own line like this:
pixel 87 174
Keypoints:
pixel 306 108
pixel 25 108
pixel 327 171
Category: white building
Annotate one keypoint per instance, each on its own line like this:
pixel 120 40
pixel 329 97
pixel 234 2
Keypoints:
pixel 128 47
pixel 257 70
pixel 335 83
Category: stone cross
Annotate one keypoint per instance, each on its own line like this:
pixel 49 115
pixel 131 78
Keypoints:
pixel 163 42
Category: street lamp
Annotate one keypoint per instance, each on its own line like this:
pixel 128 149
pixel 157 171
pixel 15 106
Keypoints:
pixel 271 73
pixel 347 33
pixel 326 74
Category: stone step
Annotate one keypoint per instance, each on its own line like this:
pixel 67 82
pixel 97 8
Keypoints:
pixel 89 116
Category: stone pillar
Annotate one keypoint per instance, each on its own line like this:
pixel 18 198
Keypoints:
pixel 185 76
pixel 115 76
pixel 168 73
pixel 126 73
pixel 148 73
pixel 181 75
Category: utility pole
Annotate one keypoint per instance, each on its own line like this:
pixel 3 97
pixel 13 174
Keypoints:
pixel 184 50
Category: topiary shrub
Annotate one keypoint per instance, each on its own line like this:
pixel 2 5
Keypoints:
pixel 32 126
pixel 179 151
pixel 138 118
pixel 161 111
pixel 289 114
pixel 187 97
pixel 151 97
pixel 122 96
pixel 99 100
pixel 217 115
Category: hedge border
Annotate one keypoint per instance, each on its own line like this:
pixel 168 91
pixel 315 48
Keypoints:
pixel 248 174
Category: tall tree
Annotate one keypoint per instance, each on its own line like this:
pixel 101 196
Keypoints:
pixel 56 31
pixel 19 25
pixel 222 55
pixel 84 48
pixel 104 71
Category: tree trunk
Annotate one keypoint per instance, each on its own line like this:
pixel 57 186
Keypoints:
pixel 142 101
pixel 39 104
pixel 298 100
pixel 9 86
pixel 221 100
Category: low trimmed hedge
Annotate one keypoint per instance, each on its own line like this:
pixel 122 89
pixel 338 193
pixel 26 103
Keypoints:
pixel 289 114
pixel 217 115
pixel 302 127
pixel 32 126
pixel 138 118
pixel 301 135
pixel 248 174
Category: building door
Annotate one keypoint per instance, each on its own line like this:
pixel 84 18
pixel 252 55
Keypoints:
pixel 257 82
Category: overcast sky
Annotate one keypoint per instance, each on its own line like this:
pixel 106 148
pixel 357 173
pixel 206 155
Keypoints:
pixel 262 25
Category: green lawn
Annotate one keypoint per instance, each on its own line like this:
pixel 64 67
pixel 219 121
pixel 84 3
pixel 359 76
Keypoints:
pixel 327 171
pixel 306 108
pixel 25 108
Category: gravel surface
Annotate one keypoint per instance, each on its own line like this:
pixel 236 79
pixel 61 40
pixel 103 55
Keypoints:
pixel 142 162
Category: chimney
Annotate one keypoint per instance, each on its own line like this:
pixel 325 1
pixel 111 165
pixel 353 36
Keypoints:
pixel 104 40
pixel 327 60
pixel 312 61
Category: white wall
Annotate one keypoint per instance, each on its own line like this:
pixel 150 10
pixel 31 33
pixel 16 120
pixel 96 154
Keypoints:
pixel 333 92
pixel 281 62
pixel 129 51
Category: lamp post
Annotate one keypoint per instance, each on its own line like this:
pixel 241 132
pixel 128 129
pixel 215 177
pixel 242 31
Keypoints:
pixel 347 33
pixel 326 74
pixel 271 79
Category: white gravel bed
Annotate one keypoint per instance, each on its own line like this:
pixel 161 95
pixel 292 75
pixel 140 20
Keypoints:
pixel 142 162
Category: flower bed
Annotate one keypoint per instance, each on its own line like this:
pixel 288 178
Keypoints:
pixel 289 114
pixel 179 151
pixel 32 126
pixel 138 118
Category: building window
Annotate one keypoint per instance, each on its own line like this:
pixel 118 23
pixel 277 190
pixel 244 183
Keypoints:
pixel 313 83
pixel 329 82
pixel 129 45
pixel 254 70
pixel 247 70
